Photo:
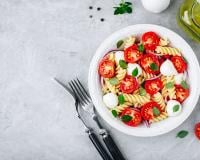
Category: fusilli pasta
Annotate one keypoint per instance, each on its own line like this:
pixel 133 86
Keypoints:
pixel 159 99
pixel 168 92
pixel 168 51
pixel 161 117
pixel 136 99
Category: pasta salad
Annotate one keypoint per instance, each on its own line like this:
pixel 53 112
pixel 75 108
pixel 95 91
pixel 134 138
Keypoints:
pixel 144 79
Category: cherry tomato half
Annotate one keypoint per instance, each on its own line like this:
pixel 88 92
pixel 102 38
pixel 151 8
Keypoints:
pixel 147 110
pixel 107 68
pixel 153 86
pixel 147 61
pixel 129 84
pixel 150 40
pixel 131 54
pixel 179 63
pixel 181 93
pixel 197 130
pixel 136 117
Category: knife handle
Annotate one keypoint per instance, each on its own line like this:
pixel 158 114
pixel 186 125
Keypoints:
pixel 100 148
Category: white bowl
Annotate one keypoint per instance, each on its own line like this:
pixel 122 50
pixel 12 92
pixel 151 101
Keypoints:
pixel 193 78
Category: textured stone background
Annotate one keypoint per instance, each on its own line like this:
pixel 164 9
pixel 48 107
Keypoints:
pixel 40 39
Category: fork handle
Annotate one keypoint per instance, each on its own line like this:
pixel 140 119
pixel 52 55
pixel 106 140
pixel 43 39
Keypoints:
pixel 112 147
pixel 102 151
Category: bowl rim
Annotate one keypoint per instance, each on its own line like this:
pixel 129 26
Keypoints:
pixel 93 73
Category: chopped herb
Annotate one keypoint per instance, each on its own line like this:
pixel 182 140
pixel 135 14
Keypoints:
pixel 176 108
pixel 182 134
pixel 154 66
pixel 156 111
pixel 123 7
pixel 135 72
pixel 98 8
pixel 91 16
pixel 184 85
pixel 142 91
pixel 122 64
pixel 114 113
pixel 90 7
pixel 113 81
pixel 121 99
pixel 102 19
pixel 119 43
pixel 141 48
pixel 126 118
pixel 169 85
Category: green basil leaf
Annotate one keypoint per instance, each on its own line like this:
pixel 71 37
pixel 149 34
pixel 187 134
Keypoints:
pixel 182 134
pixel 126 118
pixel 184 85
pixel 176 108
pixel 154 66
pixel 135 72
pixel 121 99
pixel 156 111
pixel 141 48
pixel 114 113
pixel 142 91
pixel 113 81
pixel 129 10
pixel 119 43
pixel 122 64
pixel 169 85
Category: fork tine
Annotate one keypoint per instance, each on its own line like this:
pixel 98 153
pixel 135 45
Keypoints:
pixel 82 91
pixel 83 88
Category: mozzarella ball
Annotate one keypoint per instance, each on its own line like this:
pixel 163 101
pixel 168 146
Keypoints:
pixel 173 108
pixel 132 66
pixel 167 68
pixel 110 100
pixel 119 55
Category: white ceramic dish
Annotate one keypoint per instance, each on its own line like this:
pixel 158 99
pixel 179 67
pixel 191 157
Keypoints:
pixel 193 78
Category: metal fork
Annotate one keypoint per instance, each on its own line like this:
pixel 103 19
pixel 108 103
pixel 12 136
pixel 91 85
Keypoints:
pixel 100 148
pixel 86 103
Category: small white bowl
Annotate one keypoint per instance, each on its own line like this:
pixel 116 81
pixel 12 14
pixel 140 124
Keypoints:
pixel 193 79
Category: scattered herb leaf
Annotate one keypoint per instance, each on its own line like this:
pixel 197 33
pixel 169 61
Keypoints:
pixel 169 85
pixel 113 81
pixel 142 91
pixel 121 99
pixel 123 7
pixel 154 66
pixel 114 113
pixel 122 64
pixel 141 48
pixel 182 134
pixel 119 43
pixel 126 118
pixel 176 108
pixel 156 111
pixel 135 72
pixel 184 85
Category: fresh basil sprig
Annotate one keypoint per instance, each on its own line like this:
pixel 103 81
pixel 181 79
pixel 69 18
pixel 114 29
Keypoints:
pixel 182 134
pixel 141 48
pixel 142 91
pixel 121 99
pixel 135 72
pixel 176 108
pixel 169 85
pixel 156 111
pixel 113 81
pixel 123 64
pixel 119 43
pixel 184 85
pixel 114 113
pixel 123 7
pixel 154 66
pixel 126 118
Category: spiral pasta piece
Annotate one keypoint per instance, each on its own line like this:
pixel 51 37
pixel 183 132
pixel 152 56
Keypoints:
pixel 136 99
pixel 111 88
pixel 168 51
pixel 159 99
pixel 122 107
pixel 120 73
pixel 111 56
pixel 163 42
pixel 168 92
pixel 147 75
pixel 161 117
pixel 129 41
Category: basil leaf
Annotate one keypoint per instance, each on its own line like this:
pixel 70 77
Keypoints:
pixel 129 10
pixel 154 66
pixel 184 85
pixel 126 118
pixel 141 48
pixel 176 108
pixel 142 91
pixel 119 43
pixel 169 85
pixel 113 81
pixel 156 111
pixel 122 64
pixel 114 113
pixel 182 134
pixel 121 99
pixel 135 72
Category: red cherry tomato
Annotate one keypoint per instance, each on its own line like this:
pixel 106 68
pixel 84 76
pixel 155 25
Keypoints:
pixel 131 54
pixel 129 84
pixel 136 117
pixel 181 93
pixel 147 110
pixel 153 86
pixel 147 62
pixel 107 68
pixel 150 40
pixel 179 63
pixel 197 130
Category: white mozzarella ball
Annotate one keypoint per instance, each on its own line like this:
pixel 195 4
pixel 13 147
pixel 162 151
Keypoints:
pixel 133 66
pixel 110 100
pixel 173 108
pixel 167 68
pixel 119 55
